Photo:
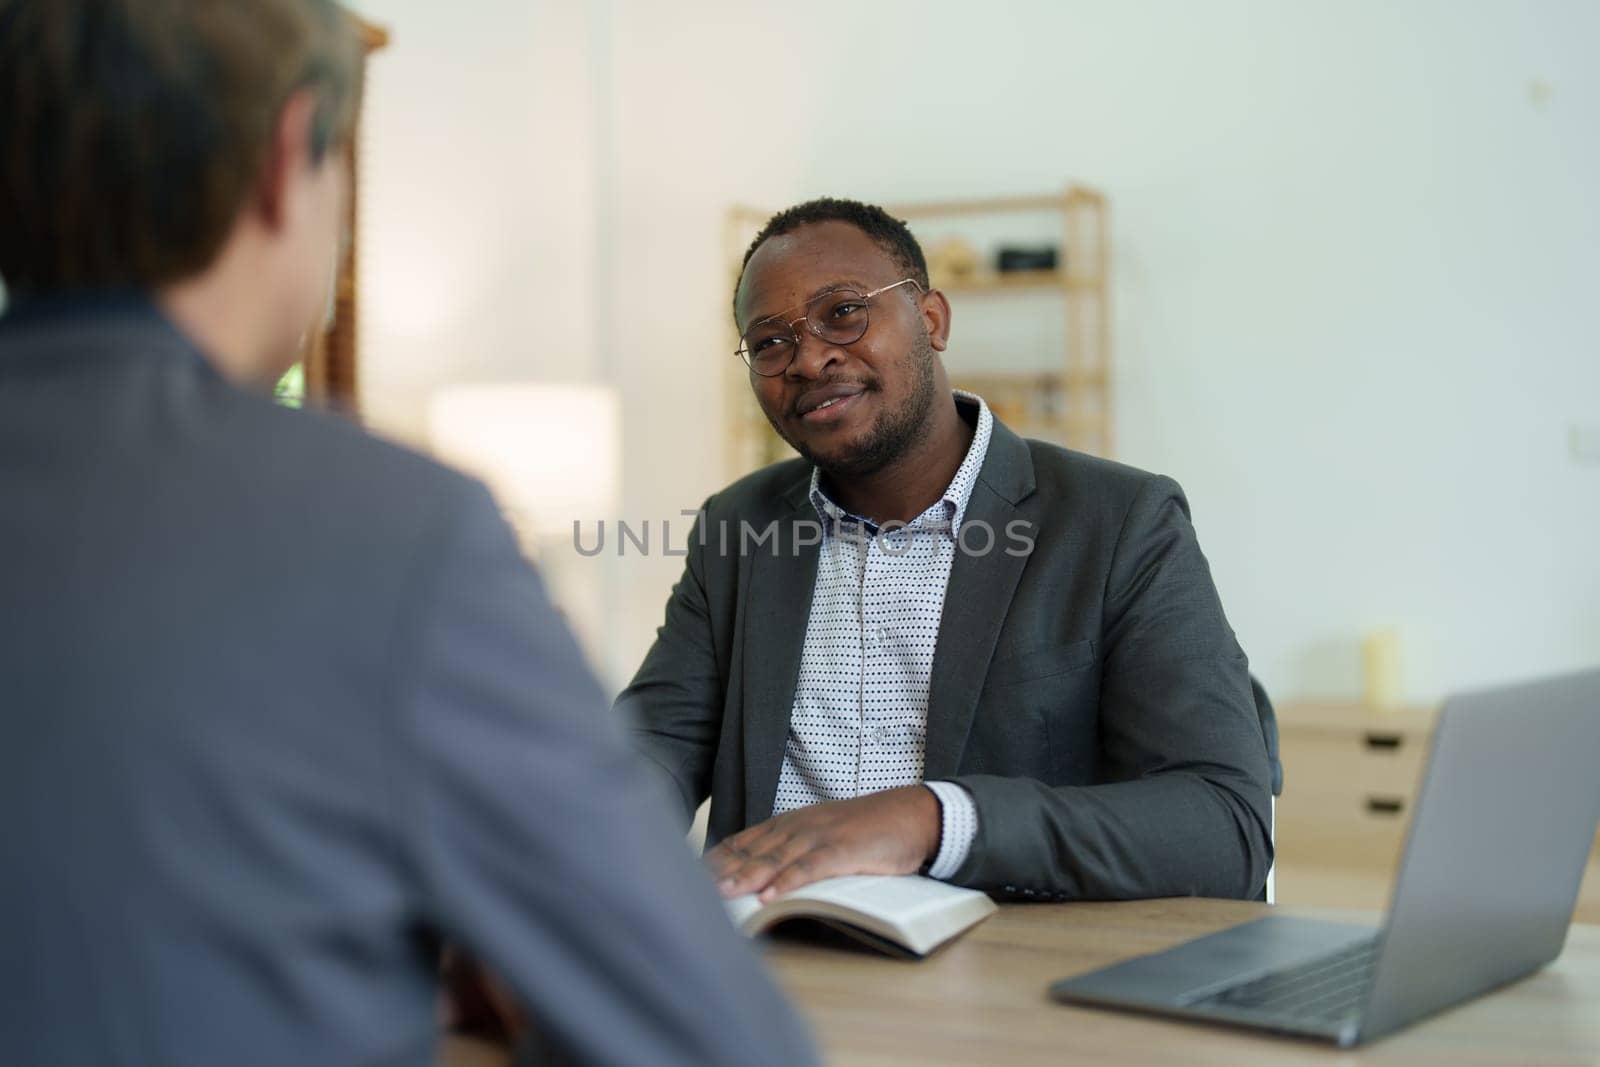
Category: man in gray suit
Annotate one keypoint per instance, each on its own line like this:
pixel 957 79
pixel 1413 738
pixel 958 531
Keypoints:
pixel 281 707
pixel 931 645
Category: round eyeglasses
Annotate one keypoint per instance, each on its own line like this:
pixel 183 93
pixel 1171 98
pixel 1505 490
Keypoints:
pixel 838 316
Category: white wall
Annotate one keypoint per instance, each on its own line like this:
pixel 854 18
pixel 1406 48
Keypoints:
pixel 479 201
pixel 1357 245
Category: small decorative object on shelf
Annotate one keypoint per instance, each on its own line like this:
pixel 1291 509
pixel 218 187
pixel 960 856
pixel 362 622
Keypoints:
pixel 1046 266
pixel 951 262
pixel 1011 259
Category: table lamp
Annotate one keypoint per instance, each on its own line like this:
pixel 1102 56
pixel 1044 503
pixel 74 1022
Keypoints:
pixel 551 454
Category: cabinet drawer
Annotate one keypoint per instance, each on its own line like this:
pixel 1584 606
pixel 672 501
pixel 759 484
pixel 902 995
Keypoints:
pixel 1391 762
pixel 1341 827
pixel 1347 797
pixel 1372 762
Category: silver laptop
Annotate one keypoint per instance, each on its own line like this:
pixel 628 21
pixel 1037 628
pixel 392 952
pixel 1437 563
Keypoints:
pixel 1497 847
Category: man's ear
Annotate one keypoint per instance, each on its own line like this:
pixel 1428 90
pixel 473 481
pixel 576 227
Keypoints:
pixel 288 157
pixel 935 311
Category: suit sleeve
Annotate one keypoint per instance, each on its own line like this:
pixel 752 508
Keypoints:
pixel 538 839
pixel 673 706
pixel 1184 806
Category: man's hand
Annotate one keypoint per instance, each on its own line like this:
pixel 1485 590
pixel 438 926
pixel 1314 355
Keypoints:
pixel 473 1001
pixel 893 832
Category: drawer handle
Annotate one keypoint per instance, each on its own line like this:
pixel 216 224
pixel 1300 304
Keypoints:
pixel 1385 805
pixel 1389 742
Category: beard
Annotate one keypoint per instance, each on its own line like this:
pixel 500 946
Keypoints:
pixel 893 434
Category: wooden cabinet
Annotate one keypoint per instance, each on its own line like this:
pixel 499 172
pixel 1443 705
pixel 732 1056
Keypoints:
pixel 1351 779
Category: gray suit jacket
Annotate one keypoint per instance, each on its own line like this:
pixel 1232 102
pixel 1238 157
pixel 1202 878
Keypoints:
pixel 1089 694
pixel 281 707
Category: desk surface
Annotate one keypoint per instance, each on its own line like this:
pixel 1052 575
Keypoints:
pixel 982 1000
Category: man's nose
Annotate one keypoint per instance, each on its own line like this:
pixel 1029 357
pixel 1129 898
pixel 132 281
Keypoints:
pixel 813 356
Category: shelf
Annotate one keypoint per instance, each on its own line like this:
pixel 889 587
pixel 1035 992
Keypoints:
pixel 1017 281
pixel 1074 195
pixel 1073 379
pixel 990 205
pixel 1045 428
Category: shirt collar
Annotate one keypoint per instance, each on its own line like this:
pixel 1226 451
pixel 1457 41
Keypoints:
pixel 116 321
pixel 951 507
pixel 75 306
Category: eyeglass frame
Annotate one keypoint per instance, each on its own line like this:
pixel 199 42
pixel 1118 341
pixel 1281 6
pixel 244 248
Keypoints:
pixel 741 353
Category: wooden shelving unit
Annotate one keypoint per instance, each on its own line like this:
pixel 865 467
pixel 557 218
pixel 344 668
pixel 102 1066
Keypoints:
pixel 1068 403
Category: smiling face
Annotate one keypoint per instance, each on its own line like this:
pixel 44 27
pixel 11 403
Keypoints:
pixel 851 409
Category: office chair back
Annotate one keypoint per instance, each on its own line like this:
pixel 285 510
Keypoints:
pixel 1269 735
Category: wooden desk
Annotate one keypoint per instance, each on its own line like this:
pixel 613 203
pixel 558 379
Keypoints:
pixel 982 1000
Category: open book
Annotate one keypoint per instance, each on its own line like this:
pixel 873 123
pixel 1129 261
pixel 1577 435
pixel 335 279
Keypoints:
pixel 902 915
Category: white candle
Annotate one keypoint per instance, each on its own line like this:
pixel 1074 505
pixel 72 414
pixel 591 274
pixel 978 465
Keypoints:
pixel 1380 664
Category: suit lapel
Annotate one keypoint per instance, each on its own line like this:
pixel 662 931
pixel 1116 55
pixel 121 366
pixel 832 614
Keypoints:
pixel 976 600
pixel 781 585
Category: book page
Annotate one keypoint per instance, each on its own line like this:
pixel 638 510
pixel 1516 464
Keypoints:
pixel 741 908
pixel 896 897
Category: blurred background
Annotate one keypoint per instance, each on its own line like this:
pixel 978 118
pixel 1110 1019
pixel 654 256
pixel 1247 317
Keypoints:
pixel 1353 259
pixel 1354 255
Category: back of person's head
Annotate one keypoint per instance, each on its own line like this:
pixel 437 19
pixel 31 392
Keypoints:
pixel 135 133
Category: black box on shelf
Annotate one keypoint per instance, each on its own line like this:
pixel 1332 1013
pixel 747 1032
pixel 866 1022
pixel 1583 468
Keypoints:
pixel 1011 259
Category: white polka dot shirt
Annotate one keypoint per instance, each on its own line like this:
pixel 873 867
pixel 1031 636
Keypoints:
pixel 860 719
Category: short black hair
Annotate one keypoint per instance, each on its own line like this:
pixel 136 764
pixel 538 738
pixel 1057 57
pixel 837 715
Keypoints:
pixel 891 234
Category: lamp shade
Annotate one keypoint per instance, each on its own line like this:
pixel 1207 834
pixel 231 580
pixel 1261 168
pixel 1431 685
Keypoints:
pixel 550 453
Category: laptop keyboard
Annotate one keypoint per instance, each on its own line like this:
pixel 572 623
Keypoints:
pixel 1328 988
